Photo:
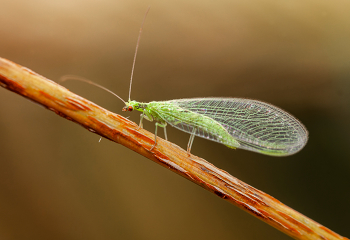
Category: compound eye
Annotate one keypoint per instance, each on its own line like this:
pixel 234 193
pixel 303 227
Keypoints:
pixel 130 108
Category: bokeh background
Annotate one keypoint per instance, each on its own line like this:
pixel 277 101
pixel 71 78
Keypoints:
pixel 58 182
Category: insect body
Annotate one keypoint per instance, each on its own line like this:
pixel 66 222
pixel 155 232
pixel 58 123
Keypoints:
pixel 235 122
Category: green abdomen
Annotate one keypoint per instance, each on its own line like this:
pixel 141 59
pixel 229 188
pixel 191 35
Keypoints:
pixel 191 122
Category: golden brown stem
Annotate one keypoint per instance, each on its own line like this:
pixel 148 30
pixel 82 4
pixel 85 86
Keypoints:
pixel 120 130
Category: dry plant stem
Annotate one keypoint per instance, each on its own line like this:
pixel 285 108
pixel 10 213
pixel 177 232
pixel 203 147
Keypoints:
pixel 119 129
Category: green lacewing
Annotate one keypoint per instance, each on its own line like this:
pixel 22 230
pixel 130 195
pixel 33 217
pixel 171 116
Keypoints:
pixel 235 122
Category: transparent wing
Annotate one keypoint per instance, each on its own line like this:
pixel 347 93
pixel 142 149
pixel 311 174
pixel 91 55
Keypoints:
pixel 254 125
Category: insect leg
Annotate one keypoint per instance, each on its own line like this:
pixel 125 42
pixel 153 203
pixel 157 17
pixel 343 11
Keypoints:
pixel 190 141
pixel 141 118
pixel 165 135
pixel 155 133
pixel 145 115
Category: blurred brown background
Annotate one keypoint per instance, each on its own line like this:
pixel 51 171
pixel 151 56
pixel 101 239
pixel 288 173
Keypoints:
pixel 58 182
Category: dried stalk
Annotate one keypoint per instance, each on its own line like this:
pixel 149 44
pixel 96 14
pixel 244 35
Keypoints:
pixel 121 130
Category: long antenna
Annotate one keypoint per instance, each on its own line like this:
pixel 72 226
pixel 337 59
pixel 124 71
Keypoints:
pixel 137 47
pixel 72 77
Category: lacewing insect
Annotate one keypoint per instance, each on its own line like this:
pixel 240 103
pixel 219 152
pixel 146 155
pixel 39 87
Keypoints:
pixel 235 122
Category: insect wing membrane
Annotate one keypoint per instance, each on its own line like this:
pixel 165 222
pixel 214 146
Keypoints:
pixel 249 124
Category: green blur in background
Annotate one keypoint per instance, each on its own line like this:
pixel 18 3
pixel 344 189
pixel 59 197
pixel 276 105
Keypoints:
pixel 58 182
